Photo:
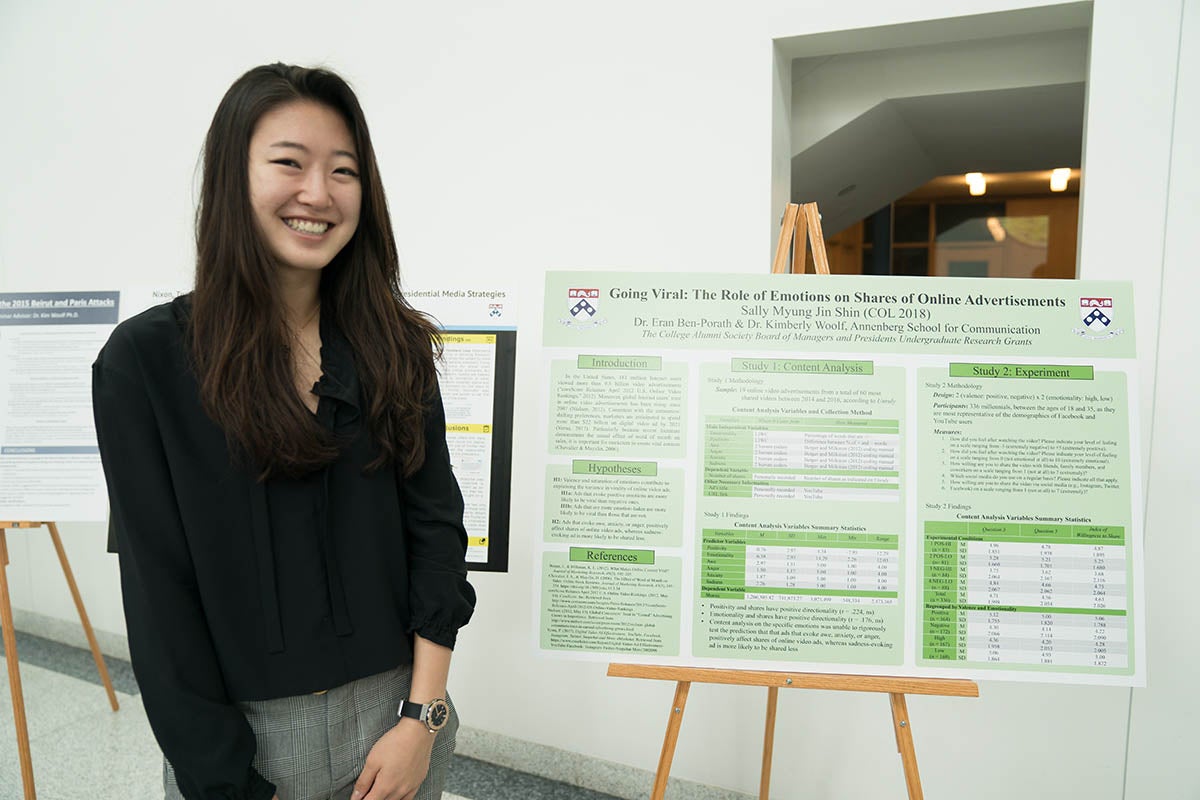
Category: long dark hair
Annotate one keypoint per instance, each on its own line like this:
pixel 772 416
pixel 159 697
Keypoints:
pixel 238 335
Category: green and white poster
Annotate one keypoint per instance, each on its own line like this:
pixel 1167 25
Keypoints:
pixel 895 476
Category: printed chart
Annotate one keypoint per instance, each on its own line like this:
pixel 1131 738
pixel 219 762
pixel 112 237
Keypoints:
pixel 899 477
pixel 802 459
pixel 821 566
pixel 1054 595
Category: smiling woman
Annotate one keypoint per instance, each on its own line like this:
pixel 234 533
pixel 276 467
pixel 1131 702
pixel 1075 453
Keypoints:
pixel 290 532
pixel 304 184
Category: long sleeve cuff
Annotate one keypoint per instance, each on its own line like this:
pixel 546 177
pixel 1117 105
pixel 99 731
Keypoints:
pixel 442 602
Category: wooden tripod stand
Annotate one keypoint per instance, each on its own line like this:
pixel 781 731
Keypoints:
pixel 895 688
pixel 10 645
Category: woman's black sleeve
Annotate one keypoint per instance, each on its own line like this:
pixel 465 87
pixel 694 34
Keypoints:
pixel 440 597
pixel 204 736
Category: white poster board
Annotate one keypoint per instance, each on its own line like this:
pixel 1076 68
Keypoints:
pixel 894 476
pixel 49 461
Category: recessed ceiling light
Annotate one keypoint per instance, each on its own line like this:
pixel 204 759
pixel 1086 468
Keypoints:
pixel 1059 179
pixel 976 183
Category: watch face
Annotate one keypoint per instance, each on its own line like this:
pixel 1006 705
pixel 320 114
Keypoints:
pixel 437 715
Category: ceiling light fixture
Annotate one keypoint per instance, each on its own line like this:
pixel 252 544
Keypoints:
pixel 1059 179
pixel 976 183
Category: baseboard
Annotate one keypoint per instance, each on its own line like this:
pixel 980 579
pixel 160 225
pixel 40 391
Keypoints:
pixel 69 632
pixel 576 769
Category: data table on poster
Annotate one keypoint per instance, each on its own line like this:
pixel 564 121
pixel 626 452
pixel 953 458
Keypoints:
pixel 1053 595
pixel 815 458
pixel 800 566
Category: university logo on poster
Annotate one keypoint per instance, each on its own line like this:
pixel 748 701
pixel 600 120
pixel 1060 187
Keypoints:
pixel 1097 315
pixel 1096 312
pixel 583 307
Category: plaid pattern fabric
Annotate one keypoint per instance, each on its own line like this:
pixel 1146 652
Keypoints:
pixel 313 746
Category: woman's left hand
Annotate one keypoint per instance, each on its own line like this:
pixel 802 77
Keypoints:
pixel 397 764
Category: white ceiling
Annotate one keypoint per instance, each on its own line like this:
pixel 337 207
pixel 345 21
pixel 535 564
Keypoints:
pixel 902 143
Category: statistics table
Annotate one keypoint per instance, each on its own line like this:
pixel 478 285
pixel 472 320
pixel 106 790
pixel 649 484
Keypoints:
pixel 800 566
pixel 802 458
pixel 1016 593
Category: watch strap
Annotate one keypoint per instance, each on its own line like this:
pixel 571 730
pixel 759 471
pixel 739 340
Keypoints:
pixel 411 710
pixel 434 714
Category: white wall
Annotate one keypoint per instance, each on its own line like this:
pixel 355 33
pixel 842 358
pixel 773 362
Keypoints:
pixel 1162 757
pixel 532 135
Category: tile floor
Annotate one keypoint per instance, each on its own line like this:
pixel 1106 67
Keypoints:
pixel 84 751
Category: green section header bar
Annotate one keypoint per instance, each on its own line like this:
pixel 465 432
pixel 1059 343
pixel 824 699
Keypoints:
pixel 951 607
pixel 1054 372
pixel 647 363
pixel 802 366
pixel 634 468
pixel 1010 531
pixel 595 555
pixel 936 526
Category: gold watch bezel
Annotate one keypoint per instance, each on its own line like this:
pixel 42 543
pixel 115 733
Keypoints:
pixel 437 715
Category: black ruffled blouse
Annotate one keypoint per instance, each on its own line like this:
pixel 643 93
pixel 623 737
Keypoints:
pixel 236 589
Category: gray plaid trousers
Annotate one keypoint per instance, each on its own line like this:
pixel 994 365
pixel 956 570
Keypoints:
pixel 313 746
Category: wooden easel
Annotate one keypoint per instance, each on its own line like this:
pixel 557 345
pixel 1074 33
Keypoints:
pixel 10 645
pixel 896 689
pixel 801 228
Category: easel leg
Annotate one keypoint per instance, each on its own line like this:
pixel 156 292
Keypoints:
pixel 668 748
pixel 764 784
pixel 787 233
pixel 817 239
pixel 83 617
pixel 904 743
pixel 800 243
pixel 14 674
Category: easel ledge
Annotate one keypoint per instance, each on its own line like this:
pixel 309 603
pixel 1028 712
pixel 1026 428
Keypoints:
pixel 946 687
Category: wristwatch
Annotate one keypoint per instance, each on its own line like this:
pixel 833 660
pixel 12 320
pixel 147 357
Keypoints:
pixel 435 714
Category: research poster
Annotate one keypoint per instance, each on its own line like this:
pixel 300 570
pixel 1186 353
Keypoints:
pixel 476 374
pixel 49 461
pixel 894 476
pixel 50 464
